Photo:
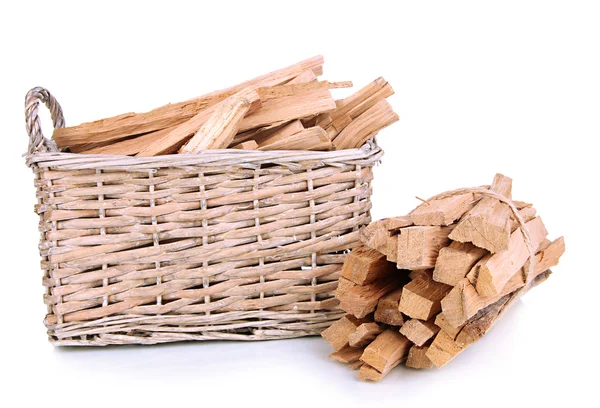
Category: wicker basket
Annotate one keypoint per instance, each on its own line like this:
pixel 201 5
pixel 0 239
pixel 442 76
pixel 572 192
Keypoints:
pixel 226 244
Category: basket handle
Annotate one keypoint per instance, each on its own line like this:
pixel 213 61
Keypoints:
pixel 37 141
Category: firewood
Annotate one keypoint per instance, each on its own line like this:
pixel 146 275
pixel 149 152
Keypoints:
pixel 364 265
pixel 220 128
pixel 421 297
pixel 419 246
pixel 362 300
pixel 395 223
pixel 247 145
pixel 455 261
pixel 368 373
pixel 305 77
pixel 499 268
pixel 387 309
pixel 442 323
pixel 444 211
pixel 419 331
pixel 442 350
pixel 356 365
pixel 279 133
pixel 464 301
pixel 346 105
pixel 338 333
pixel 347 354
pixel 121 126
pixel 487 225
pixel 417 357
pixel 314 138
pixel 374 235
pixel 374 119
pixel 386 350
pixel 364 334
pixel 297 88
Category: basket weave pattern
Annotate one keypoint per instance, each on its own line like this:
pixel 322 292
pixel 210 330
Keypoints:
pixel 226 244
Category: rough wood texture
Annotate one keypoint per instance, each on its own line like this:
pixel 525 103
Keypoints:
pixel 220 128
pixel 395 223
pixel 455 261
pixel 247 145
pixel 421 297
pixel 347 354
pixel 442 350
pixel 497 270
pixel 364 334
pixel 442 323
pixel 121 126
pixel 279 133
pixel 418 247
pixel 487 225
pixel 444 211
pixel 368 373
pixel 338 333
pixel 364 265
pixel 387 309
pixel 386 350
pixel 419 331
pixel 314 138
pixel 417 358
pixel 362 300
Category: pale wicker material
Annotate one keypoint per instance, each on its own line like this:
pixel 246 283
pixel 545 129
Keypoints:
pixel 226 244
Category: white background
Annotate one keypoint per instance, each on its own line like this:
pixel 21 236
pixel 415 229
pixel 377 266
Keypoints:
pixel 481 87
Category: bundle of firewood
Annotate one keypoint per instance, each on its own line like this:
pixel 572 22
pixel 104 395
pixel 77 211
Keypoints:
pixel 288 109
pixel 422 288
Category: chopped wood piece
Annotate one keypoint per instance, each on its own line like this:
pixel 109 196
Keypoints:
pixel 417 358
pixel 419 331
pixel 364 265
pixel 297 88
pixel 247 145
pixel 364 334
pixel 362 300
pixel 314 138
pixel 444 211
pixel 487 225
pixel 305 77
pixel 368 373
pixel 347 354
pixel 463 301
pixel 455 261
pixel 395 223
pixel 220 128
pixel 384 92
pixel 279 133
pixel 418 273
pixel 387 309
pixel 386 350
pixel 338 333
pixel 356 365
pixel 375 234
pixel 499 268
pixel 421 297
pixel 442 350
pixel 442 323
pixel 121 126
pixel 418 247
pixel 374 119
pixel 352 102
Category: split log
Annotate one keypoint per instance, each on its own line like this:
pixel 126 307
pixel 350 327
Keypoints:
pixel 347 354
pixel 455 261
pixel 442 323
pixel 338 333
pixel 443 349
pixel 279 133
pixel 418 247
pixel 487 225
pixel 364 265
pixel 389 348
pixel 362 300
pixel 419 331
pixel 368 373
pixel 364 334
pixel 121 126
pixel 417 358
pixel 314 138
pixel 247 145
pixel 421 297
pixel 387 309
pixel 444 211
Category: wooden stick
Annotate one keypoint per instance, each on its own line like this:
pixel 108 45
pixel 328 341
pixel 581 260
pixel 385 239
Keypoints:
pixel 364 265
pixel 220 128
pixel 347 354
pixel 395 223
pixel 417 357
pixel 455 261
pixel 121 126
pixel 386 350
pixel 387 309
pixel 362 300
pixel 279 133
pixel 443 349
pixel 444 211
pixel 314 138
pixel 421 297
pixel 373 120
pixel 419 331
pixel 498 269
pixel 487 225
pixel 247 145
pixel 338 333
pixel 368 373
pixel 442 323
pixel 418 247
pixel 364 334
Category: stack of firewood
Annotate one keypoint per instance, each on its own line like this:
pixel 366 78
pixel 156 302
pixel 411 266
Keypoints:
pixel 422 288
pixel 288 109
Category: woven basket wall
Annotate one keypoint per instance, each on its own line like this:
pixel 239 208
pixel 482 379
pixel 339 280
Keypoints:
pixel 226 244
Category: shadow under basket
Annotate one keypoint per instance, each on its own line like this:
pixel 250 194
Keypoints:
pixel 220 245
